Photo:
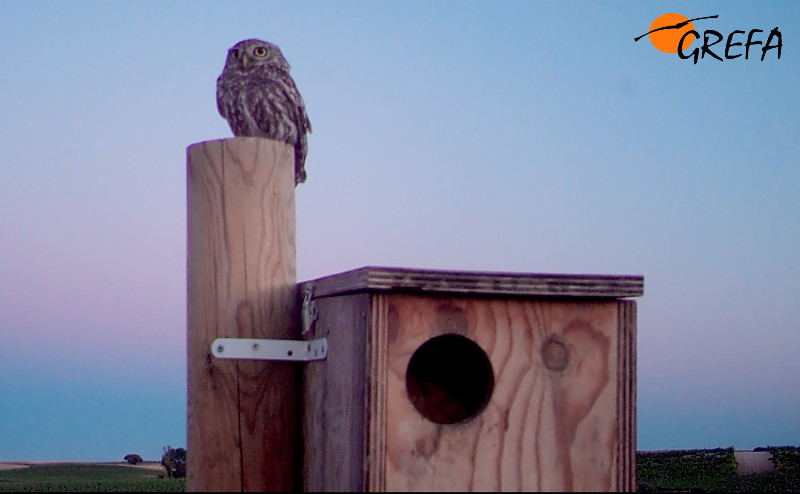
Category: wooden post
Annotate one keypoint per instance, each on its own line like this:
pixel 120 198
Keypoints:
pixel 242 416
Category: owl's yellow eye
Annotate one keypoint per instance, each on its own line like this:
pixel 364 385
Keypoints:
pixel 260 51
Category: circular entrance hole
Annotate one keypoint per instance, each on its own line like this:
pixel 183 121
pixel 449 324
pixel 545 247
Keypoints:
pixel 449 379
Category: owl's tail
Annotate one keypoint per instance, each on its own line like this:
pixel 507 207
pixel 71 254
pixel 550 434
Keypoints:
pixel 300 151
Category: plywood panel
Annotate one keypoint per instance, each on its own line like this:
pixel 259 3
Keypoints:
pixel 626 397
pixel 334 397
pixel 551 422
pixel 476 283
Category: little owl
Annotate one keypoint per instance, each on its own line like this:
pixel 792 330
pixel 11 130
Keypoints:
pixel 258 98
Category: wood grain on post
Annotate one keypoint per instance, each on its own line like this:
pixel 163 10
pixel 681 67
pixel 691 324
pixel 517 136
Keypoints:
pixel 242 414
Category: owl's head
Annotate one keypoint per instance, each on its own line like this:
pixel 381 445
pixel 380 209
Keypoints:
pixel 252 53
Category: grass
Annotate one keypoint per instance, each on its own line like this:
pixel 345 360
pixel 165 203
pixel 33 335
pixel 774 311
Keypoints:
pixel 86 478
pixel 701 470
pixel 714 470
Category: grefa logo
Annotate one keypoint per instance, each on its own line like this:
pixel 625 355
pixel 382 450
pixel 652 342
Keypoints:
pixel 675 33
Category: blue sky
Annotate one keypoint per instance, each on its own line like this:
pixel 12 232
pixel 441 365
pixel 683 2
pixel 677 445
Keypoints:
pixel 518 136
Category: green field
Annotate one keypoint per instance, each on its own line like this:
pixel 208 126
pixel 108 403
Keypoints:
pixel 714 470
pixel 702 470
pixel 86 478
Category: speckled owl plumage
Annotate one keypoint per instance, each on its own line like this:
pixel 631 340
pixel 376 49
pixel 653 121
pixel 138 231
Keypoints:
pixel 258 98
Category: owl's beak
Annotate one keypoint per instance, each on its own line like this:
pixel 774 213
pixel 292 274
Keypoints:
pixel 245 60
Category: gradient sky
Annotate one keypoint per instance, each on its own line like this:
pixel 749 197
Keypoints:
pixel 518 136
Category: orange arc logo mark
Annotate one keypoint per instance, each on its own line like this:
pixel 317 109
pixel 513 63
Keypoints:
pixel 667 30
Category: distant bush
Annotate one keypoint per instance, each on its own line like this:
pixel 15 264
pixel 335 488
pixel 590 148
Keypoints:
pixel 787 459
pixel 174 461
pixel 133 459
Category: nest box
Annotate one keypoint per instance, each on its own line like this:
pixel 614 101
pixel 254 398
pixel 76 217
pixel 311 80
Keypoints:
pixel 470 381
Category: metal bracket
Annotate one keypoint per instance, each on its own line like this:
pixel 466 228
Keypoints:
pixel 259 349
pixel 309 309
pixel 283 350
